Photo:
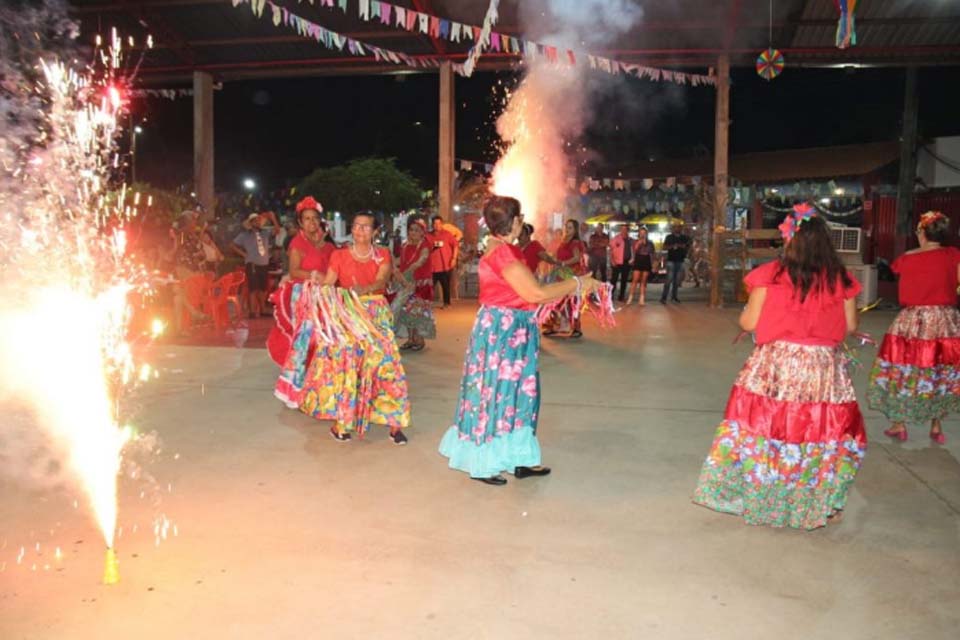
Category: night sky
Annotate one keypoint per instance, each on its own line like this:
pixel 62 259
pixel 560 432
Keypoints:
pixel 277 131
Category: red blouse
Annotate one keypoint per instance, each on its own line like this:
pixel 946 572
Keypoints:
pixel 818 320
pixel 311 258
pixel 494 290
pixel 531 254
pixel 410 254
pixel 566 250
pixel 928 277
pixel 351 273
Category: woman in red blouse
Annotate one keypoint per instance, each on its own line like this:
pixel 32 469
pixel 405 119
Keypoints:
pixel 366 382
pixel 495 423
pixel 309 255
pixel 570 254
pixel 533 252
pixel 916 375
pixel 416 273
pixel 309 252
pixel 792 438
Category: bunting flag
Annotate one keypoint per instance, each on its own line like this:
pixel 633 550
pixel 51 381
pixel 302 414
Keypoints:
pixel 333 40
pixel 846 33
pixel 484 38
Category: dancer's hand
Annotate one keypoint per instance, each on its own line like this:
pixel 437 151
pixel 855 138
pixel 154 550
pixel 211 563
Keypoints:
pixel 589 284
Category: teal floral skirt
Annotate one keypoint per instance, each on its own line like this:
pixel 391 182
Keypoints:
pixel 916 375
pixel 495 423
pixel 791 441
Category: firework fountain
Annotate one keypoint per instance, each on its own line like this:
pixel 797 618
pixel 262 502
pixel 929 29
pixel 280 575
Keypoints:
pixel 550 109
pixel 65 282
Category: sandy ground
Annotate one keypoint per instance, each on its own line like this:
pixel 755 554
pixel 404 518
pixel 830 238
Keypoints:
pixel 283 533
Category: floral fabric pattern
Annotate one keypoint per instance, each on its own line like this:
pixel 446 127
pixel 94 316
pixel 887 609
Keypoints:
pixel 911 391
pixel 417 311
pixel 779 482
pixel 499 399
pixel 357 384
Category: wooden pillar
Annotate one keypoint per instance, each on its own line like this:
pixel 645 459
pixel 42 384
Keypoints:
pixel 908 161
pixel 446 151
pixel 720 157
pixel 203 142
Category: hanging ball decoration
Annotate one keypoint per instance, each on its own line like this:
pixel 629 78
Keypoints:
pixel 770 63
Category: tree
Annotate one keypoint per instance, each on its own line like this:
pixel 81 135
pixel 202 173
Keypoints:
pixel 374 184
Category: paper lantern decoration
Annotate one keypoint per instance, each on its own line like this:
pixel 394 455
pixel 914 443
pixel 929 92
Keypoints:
pixel 770 64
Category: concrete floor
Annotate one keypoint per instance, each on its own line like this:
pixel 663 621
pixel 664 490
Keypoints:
pixel 284 533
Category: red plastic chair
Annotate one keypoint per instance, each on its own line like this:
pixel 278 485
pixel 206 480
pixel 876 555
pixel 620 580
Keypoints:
pixel 222 293
pixel 196 290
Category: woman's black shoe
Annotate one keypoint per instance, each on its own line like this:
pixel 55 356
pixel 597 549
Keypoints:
pixel 526 472
pixel 495 480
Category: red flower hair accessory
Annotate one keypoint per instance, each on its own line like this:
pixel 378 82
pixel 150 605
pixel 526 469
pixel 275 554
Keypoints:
pixel 929 218
pixel 801 212
pixel 309 203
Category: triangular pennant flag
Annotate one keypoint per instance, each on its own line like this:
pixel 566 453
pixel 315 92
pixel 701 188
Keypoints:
pixel 434 26
pixel 401 14
pixel 385 13
pixel 495 41
pixel 277 15
pixel 424 23
pixel 476 34
pixel 365 9
pixel 374 8
pixel 455 32
pixel 411 19
pixel 444 31
pixel 571 57
pixel 343 5
pixel 467 32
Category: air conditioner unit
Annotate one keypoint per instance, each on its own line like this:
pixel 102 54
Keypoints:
pixel 846 239
pixel 866 275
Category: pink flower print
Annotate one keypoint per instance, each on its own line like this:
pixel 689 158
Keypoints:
pixel 465 406
pixel 493 361
pixel 482 421
pixel 529 386
pixel 510 370
pixel 509 412
pixel 503 426
pixel 506 320
pixel 518 338
pixel 472 369
pixel 486 394
pixel 486 320
pixel 518 424
pixel 492 339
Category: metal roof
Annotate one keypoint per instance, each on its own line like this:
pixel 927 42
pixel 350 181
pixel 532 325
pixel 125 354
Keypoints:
pixel 232 43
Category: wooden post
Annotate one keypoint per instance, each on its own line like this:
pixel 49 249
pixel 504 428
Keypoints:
pixel 720 155
pixel 203 142
pixel 446 151
pixel 908 162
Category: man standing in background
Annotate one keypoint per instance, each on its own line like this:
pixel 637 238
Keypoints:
pixel 621 255
pixel 676 244
pixel 444 251
pixel 599 242
pixel 253 244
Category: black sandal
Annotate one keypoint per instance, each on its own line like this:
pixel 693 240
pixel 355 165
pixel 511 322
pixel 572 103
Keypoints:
pixel 576 334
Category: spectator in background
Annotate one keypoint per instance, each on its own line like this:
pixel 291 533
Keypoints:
pixel 599 242
pixel 621 259
pixel 445 249
pixel 212 256
pixel 533 252
pixel 253 245
pixel 676 245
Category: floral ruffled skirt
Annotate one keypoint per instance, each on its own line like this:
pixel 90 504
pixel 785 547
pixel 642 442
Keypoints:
pixel 352 382
pixel 791 441
pixel 495 423
pixel 916 374
pixel 416 312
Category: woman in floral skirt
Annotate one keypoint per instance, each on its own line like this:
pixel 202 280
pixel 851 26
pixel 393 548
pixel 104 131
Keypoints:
pixel 916 376
pixel 495 423
pixel 792 438
pixel 414 271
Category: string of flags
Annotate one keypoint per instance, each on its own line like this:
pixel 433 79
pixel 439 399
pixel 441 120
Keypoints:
pixel 846 26
pixel 170 94
pixel 333 40
pixel 389 14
